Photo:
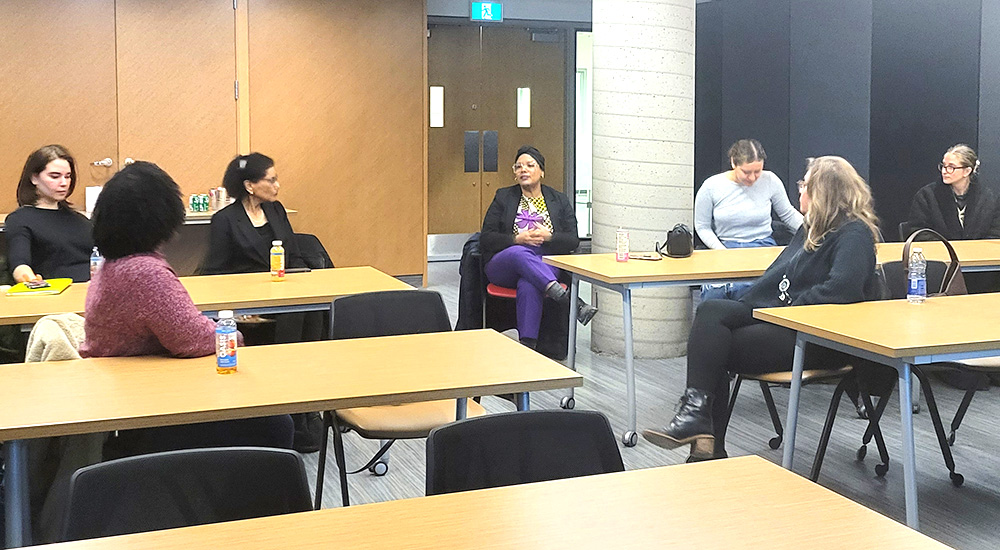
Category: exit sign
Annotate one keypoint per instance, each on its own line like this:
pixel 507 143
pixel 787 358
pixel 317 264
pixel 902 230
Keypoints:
pixel 487 11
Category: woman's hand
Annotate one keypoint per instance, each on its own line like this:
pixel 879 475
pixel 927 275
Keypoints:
pixel 529 238
pixel 545 234
pixel 23 274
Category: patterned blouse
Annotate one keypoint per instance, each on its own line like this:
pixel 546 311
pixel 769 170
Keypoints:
pixel 532 214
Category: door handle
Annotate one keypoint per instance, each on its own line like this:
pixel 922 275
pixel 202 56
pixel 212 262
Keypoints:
pixel 490 150
pixel 471 151
pixel 105 162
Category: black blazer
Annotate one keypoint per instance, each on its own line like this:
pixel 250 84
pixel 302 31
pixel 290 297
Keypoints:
pixel 235 245
pixel 498 225
pixel 934 207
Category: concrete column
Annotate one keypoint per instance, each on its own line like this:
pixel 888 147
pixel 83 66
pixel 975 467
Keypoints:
pixel 643 156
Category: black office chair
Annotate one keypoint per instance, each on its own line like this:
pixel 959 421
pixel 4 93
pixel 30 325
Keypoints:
pixel 386 313
pixel 182 488
pixel 519 447
pixel 895 273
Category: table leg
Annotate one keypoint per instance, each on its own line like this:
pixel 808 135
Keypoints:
pixel 569 401
pixel 523 401
pixel 909 457
pixel 791 420
pixel 629 438
pixel 17 514
pixel 461 408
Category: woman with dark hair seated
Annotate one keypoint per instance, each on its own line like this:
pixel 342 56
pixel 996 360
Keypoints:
pixel 45 237
pixel 137 306
pixel 524 222
pixel 241 233
pixel 831 260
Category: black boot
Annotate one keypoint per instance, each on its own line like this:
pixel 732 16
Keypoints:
pixel 584 312
pixel 691 424
pixel 529 342
pixel 557 292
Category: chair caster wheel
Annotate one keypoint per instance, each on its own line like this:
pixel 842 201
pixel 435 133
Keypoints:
pixel 567 402
pixel 862 452
pixel 881 469
pixel 951 438
pixel 630 438
pixel 379 469
pixel 957 479
pixel 344 429
pixel 916 408
pixel 861 410
pixel 775 442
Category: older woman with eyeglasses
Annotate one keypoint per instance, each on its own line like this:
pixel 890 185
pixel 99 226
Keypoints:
pixel 957 206
pixel 241 234
pixel 524 222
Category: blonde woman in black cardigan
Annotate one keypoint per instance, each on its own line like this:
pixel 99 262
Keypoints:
pixel 831 260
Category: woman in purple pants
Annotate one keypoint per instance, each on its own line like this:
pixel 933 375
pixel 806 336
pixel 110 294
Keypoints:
pixel 525 222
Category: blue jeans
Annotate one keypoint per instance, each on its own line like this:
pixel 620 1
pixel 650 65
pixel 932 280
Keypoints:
pixel 733 291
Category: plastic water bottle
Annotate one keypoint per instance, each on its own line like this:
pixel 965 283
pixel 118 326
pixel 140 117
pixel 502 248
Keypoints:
pixel 96 261
pixel 916 291
pixel 621 245
pixel 277 261
pixel 225 343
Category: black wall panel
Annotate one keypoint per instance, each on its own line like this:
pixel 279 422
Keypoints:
pixel 924 95
pixel 708 148
pixel 989 95
pixel 830 77
pixel 755 53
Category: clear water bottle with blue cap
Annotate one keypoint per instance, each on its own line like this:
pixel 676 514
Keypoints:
pixel 96 261
pixel 916 291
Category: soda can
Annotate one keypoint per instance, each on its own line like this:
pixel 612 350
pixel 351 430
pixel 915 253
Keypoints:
pixel 204 202
pixel 193 202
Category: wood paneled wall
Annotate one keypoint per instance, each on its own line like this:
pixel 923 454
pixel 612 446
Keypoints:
pixel 334 91
pixel 57 85
pixel 337 98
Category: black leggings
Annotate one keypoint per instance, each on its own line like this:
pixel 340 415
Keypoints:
pixel 726 338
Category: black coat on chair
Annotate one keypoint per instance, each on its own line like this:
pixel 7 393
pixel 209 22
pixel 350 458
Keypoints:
pixel 553 337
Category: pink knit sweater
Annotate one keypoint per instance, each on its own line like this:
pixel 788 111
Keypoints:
pixel 137 306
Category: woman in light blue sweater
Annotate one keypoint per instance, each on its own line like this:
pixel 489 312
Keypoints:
pixel 733 209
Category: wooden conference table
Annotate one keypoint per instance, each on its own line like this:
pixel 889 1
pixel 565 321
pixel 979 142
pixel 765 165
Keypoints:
pixel 713 266
pixel 244 292
pixel 742 502
pixel 119 393
pixel 894 333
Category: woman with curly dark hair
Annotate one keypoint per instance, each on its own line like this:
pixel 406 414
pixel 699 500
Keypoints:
pixel 137 306
pixel 45 237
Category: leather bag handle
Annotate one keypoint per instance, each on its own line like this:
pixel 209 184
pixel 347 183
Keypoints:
pixel 953 283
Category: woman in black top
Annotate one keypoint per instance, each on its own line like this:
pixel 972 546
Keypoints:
pixel 45 237
pixel 241 233
pixel 524 222
pixel 957 206
pixel 831 260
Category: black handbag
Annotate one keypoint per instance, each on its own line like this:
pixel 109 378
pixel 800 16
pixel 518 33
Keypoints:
pixel 680 242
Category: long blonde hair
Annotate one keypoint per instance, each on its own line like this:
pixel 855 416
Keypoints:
pixel 837 195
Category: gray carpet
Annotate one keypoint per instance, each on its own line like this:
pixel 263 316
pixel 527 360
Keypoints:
pixel 963 517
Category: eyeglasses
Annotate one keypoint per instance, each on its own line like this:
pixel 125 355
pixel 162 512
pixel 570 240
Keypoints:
pixel 802 185
pixel 949 168
pixel 272 181
pixel 527 166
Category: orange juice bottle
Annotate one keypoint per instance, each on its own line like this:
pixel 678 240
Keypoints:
pixel 277 261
